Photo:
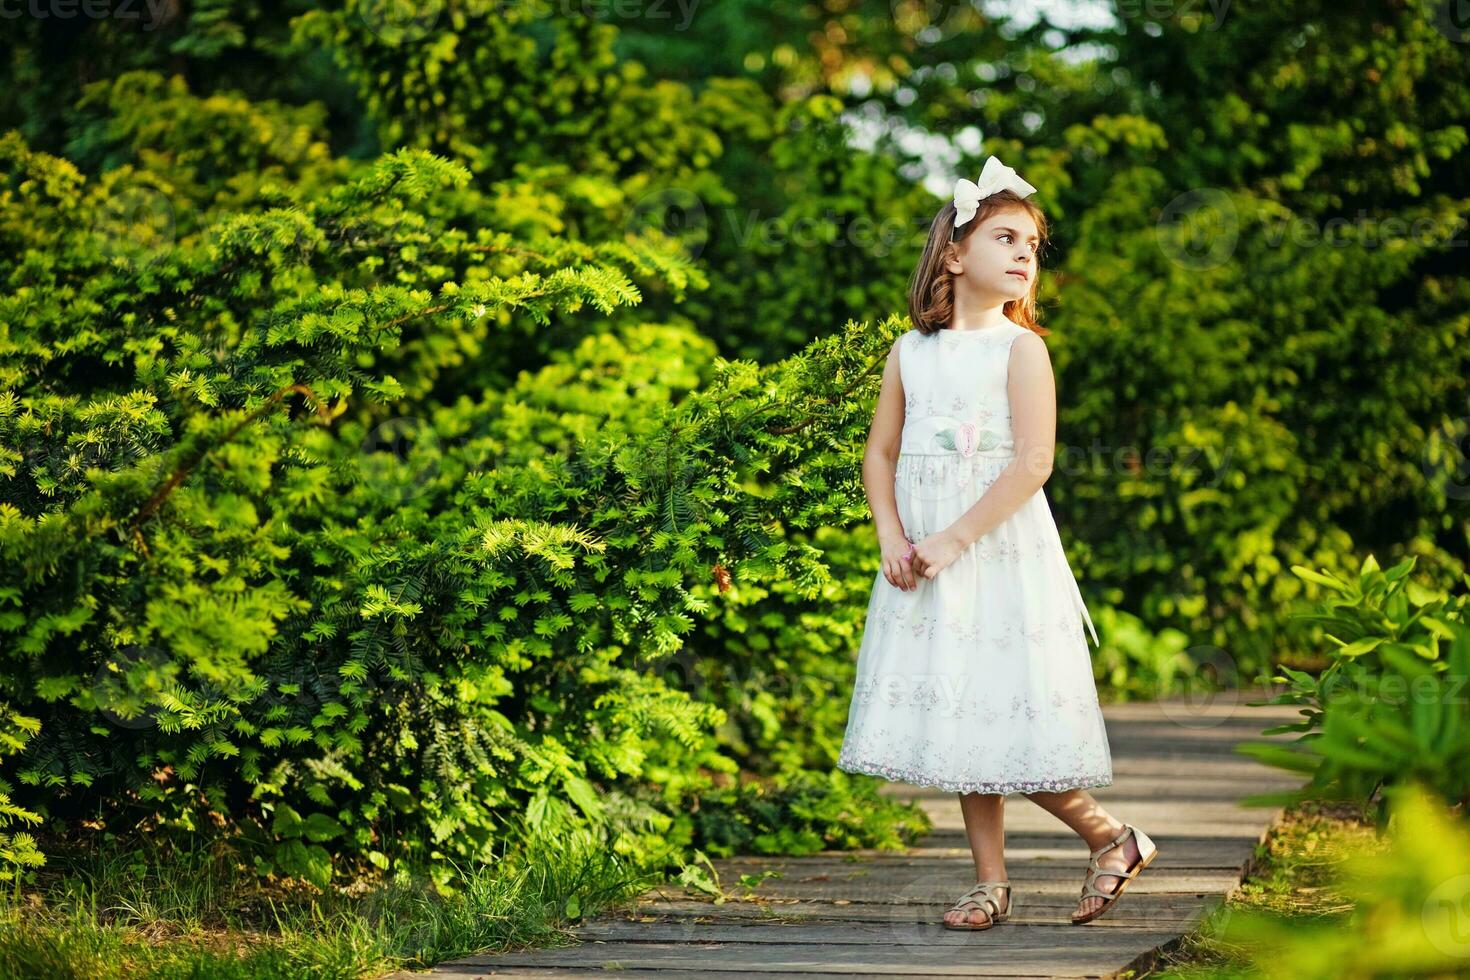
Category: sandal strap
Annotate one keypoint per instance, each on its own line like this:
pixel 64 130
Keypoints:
pixel 982 889
pixel 1089 887
pixel 990 907
pixel 1094 874
pixel 1127 830
pixel 1095 870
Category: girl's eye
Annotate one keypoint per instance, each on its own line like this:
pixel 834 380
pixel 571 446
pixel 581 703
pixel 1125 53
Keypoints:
pixel 1012 237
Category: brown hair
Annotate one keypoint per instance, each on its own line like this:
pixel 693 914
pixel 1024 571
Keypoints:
pixel 931 287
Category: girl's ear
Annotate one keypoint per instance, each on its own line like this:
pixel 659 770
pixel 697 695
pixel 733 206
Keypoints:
pixel 952 259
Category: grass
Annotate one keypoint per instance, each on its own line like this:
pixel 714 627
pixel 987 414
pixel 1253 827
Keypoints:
pixel 198 914
pixel 1292 875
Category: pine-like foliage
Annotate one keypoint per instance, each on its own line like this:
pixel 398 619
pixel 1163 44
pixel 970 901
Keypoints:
pixel 262 577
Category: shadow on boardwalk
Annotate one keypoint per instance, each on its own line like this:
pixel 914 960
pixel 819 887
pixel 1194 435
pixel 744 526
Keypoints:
pixel 878 913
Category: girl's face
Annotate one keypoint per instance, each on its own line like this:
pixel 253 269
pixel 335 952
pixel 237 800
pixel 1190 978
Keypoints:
pixel 999 257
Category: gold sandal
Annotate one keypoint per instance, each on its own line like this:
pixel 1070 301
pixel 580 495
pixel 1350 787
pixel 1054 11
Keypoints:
pixel 968 903
pixel 1146 853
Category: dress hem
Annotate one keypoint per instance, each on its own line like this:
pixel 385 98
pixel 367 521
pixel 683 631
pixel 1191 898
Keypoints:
pixel 978 786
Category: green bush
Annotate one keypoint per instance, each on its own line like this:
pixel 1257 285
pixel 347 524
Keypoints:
pixel 1394 704
pixel 233 614
pixel 18 849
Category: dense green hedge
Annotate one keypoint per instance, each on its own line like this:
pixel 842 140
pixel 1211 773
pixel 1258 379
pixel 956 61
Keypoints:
pixel 396 659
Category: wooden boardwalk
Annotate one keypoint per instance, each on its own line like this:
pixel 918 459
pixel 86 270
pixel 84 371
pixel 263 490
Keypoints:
pixel 878 913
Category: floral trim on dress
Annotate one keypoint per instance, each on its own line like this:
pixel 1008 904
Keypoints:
pixel 919 777
pixel 1060 769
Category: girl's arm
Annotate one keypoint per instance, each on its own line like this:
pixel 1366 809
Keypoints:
pixel 880 466
pixel 1032 393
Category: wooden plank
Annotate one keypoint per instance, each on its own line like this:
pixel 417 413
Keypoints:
pixel 945 890
pixel 1179 852
pixel 450 971
pixel 876 913
pixel 1171 906
pixel 1005 950
pixel 819 933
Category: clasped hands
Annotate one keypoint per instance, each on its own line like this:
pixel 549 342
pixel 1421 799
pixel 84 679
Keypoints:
pixel 904 561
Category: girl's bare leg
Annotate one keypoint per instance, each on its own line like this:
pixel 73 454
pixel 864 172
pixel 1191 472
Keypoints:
pixel 1077 809
pixel 985 827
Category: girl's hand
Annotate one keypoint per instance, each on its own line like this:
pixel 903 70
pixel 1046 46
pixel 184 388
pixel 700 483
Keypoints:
pixel 936 552
pixel 900 573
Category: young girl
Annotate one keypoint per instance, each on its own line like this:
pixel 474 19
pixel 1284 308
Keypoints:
pixel 974 673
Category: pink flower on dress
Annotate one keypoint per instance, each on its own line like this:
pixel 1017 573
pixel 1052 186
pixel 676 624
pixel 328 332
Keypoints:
pixel 966 439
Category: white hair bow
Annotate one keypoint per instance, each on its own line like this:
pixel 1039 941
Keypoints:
pixel 996 176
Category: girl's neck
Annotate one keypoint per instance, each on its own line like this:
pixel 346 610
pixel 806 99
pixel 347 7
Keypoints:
pixel 976 308
pixel 977 317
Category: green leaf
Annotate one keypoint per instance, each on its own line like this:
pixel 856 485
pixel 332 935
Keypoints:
pixel 1359 647
pixel 1320 579
pixel 1280 756
pixel 287 822
pixel 320 827
pixel 309 861
pixel 1438 626
pixel 584 796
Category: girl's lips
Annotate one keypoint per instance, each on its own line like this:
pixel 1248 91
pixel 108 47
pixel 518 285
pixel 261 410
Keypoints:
pixel 1018 275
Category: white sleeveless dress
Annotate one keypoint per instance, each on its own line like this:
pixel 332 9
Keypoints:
pixel 980 679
